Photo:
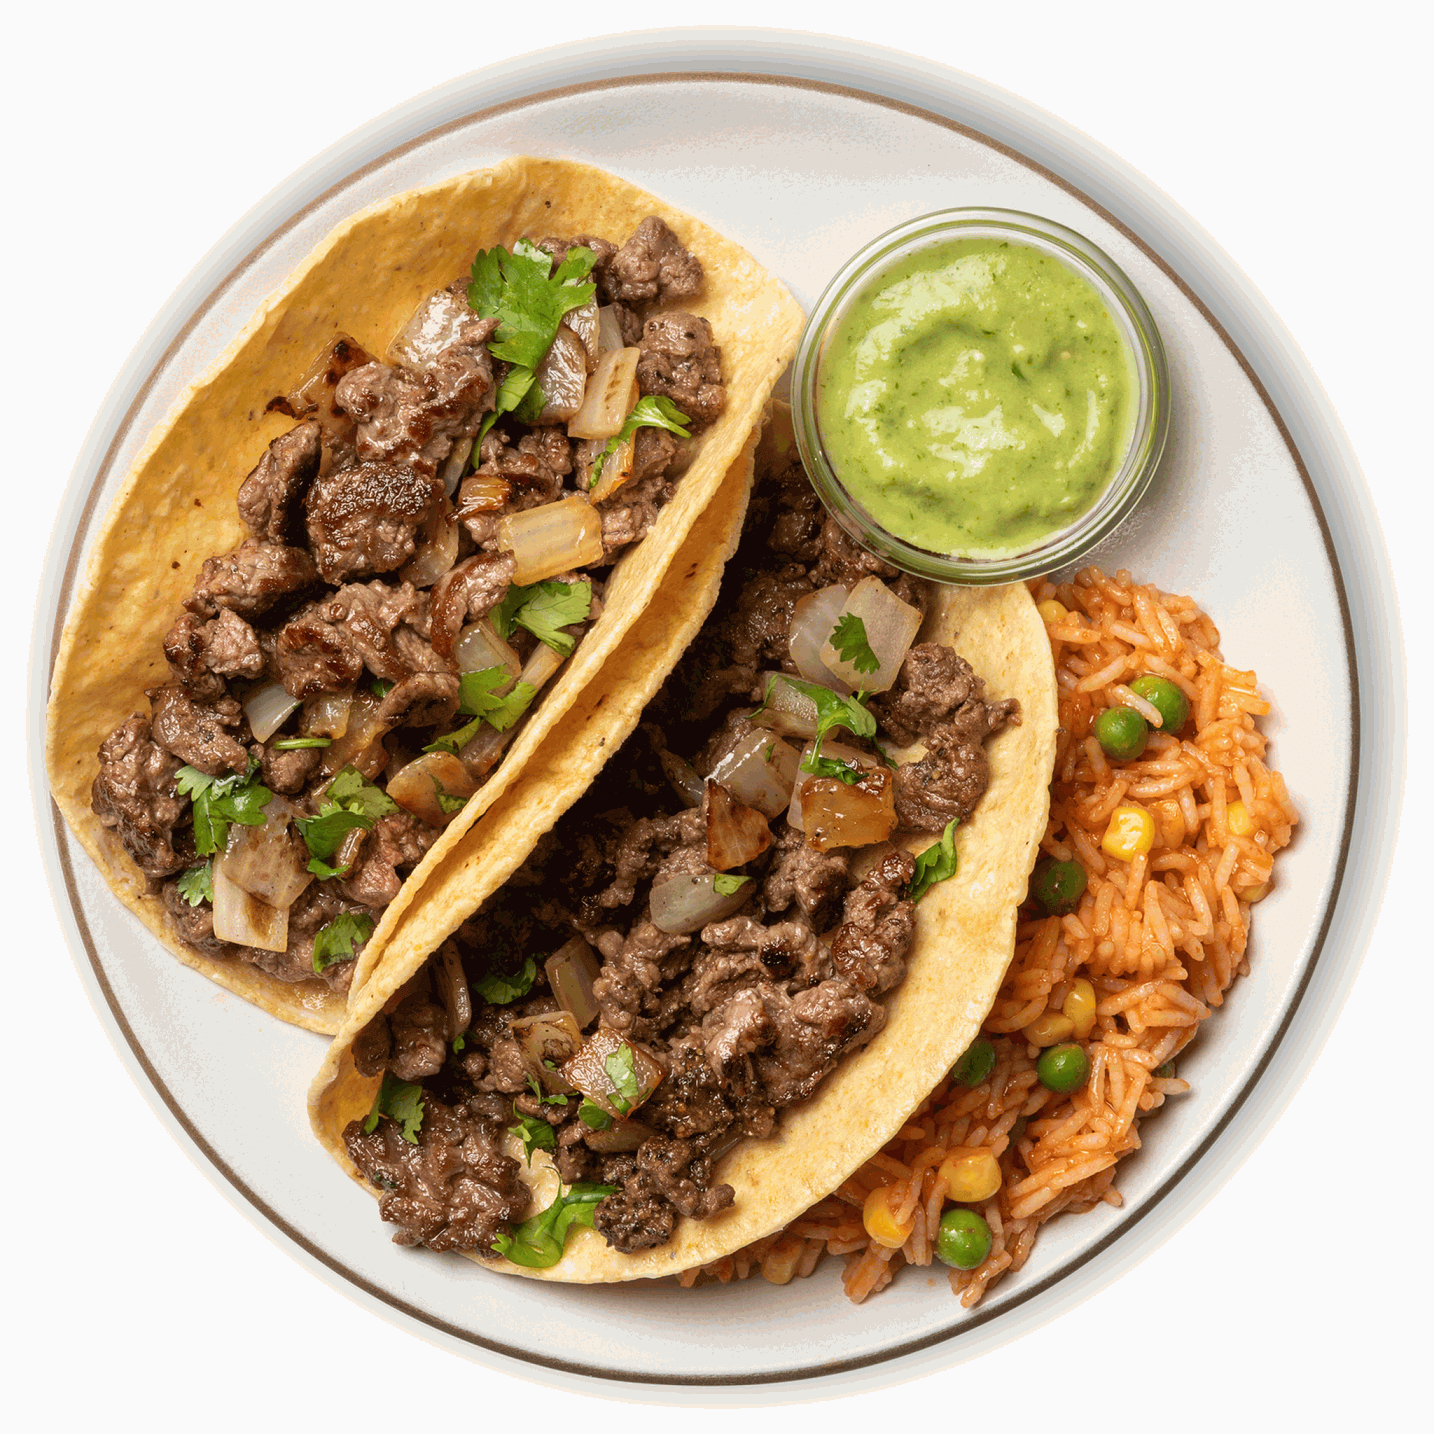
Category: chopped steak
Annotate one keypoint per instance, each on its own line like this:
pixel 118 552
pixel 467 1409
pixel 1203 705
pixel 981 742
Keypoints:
pixel 200 734
pixel 286 771
pixel 652 266
pixel 194 924
pixel 815 880
pixel 135 795
pixel 933 682
pixel 628 516
pixel 251 579
pixel 870 947
pixel 950 779
pixel 680 361
pixel 418 1028
pixel 363 520
pixel 397 840
pixel 427 699
pixel 203 654
pixel 271 499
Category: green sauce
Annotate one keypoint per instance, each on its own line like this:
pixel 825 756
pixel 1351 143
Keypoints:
pixel 977 399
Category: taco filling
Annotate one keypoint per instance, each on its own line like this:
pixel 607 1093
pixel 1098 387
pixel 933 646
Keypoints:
pixel 705 934
pixel 426 547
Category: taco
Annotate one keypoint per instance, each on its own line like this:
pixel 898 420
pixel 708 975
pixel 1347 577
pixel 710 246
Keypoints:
pixel 738 955
pixel 472 452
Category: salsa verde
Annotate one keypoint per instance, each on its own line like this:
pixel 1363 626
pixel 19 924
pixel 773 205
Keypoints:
pixel 977 398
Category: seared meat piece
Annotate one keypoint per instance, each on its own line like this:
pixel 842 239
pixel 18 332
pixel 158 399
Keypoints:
pixel 397 840
pixel 371 1047
pixel 194 925
pixel 467 592
pixel 418 1028
pixel 364 520
pixel 815 880
pixel 454 1190
pixel 135 794
pixel 627 988
pixel 427 699
pixel 870 946
pixel 628 516
pixel 327 645
pixel 690 1101
pixel 251 579
pixel 932 684
pixel 535 466
pixel 797 518
pixel 951 778
pixel 637 1217
pixel 680 361
pixel 558 248
pixel 652 267
pixel 843 560
pixel 271 498
pixel 203 654
pixel 682 1175
pixel 199 734
pixel 785 948
pixel 314 908
pixel 287 771
pixel 643 846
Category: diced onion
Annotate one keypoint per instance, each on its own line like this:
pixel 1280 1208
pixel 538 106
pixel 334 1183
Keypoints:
pixel 455 464
pixel 611 396
pixel 316 391
pixel 620 1138
pixel 553 1037
pixel 587 1071
pixel 479 646
pixel 551 539
pixel 244 919
pixel 609 330
pixel 736 833
pixel 563 377
pixel 268 707
pixel 481 755
pixel 687 901
pixel 760 770
pixel 891 626
pixel 832 814
pixel 483 493
pixel 270 861
pixel 837 753
pixel 583 321
pixel 361 745
pixel 683 776
pixel 437 547
pixel 812 621
pixel 572 969
pixel 452 987
pixel 417 786
pixel 787 709
pixel 616 469
pixel 433 327
pixel 327 715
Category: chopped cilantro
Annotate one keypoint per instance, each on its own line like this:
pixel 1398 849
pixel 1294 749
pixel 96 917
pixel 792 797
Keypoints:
pixel 770 752
pixel 220 801
pixel 621 1072
pixel 934 864
pixel 400 1100
pixel 849 639
pixel 538 1091
pixel 353 790
pixel 500 990
pixel 197 884
pixel 534 1132
pixel 336 939
pixel 447 802
pixel 833 711
pixel 543 608
pixel 832 767
pixel 593 1115
pixel 476 695
pixel 728 883
pixel 293 744
pixel 538 1242
pixel 654 411
pixel 380 687
pixel 458 1042
pixel 351 801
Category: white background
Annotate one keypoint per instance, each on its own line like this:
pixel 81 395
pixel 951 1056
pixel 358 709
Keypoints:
pixel 1297 137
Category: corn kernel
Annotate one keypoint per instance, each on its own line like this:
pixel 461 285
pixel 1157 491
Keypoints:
pixel 1049 1029
pixel 880 1221
pixel 1131 832
pixel 1051 611
pixel 1253 894
pixel 779 1264
pixel 970 1175
pixel 1239 819
pixel 1079 1006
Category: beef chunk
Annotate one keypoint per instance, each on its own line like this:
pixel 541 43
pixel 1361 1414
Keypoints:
pixel 628 516
pixel 371 1047
pixel 397 840
pixel 201 735
pixel 636 1217
pixel 870 946
pixel 251 579
pixel 364 519
pixel 194 925
pixel 652 267
pixel 287 771
pixel 690 1100
pixel 786 948
pixel 271 497
pixel 680 361
pixel 932 684
pixel 135 795
pixel 627 989
pixel 843 560
pixel 469 591
pixel 203 654
pixel 643 846
pixel 534 467
pixel 314 908
pixel 419 1029
pixel 454 1190
pixel 950 779
pixel 815 880
pixel 427 699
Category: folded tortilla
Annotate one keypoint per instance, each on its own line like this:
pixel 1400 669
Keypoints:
pixel 964 939
pixel 177 506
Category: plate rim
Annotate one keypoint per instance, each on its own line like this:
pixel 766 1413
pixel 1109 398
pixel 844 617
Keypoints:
pixel 1122 197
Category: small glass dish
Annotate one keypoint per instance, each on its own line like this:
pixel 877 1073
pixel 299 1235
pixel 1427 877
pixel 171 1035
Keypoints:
pixel 1148 430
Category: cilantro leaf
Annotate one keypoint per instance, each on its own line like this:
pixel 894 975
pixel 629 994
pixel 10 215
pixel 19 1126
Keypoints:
pixel 627 1091
pixel 380 687
pixel 476 695
pixel 728 884
pixel 654 411
pixel 197 884
pixel 353 790
pixel 500 990
pixel 516 289
pixel 447 802
pixel 400 1100
pixel 458 1042
pixel 543 608
pixel 833 711
pixel 336 939
pixel 538 1242
pixel 351 801
pixel 538 1091
pixel 593 1115
pixel 534 1132
pixel 832 767
pixel 936 863
pixel 849 639
pixel 220 801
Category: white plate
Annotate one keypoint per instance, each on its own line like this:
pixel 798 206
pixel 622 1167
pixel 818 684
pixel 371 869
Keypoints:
pixel 803 149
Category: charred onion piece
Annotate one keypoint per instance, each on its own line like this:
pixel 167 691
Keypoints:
pixel 270 861
pixel 547 1043
pixel 588 1072
pixel 361 745
pixel 420 786
pixel 736 833
pixel 687 901
pixel 839 815
pixel 571 971
pixel 760 770
pixel 245 920
pixel 890 625
pixel 813 619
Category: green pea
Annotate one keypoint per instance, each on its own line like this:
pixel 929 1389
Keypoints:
pixel 1166 698
pixel 1167 1071
pixel 963 1239
pixel 976 1064
pixel 1059 885
pixel 1121 731
pixel 1063 1068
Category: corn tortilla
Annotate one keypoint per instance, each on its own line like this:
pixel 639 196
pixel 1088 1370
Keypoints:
pixel 176 508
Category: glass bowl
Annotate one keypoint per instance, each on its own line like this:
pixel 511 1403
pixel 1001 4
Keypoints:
pixel 1151 420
